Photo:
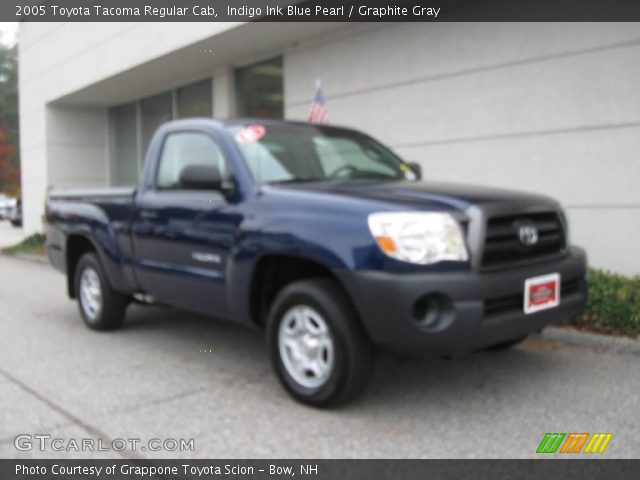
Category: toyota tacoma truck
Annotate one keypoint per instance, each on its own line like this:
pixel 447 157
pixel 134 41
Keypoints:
pixel 324 238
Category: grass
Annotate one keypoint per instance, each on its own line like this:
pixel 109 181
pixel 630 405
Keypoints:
pixel 33 245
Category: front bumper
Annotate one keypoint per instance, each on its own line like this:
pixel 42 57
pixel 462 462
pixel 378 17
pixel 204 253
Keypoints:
pixel 468 310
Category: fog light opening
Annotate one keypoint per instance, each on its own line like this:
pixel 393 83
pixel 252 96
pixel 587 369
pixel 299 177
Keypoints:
pixel 427 311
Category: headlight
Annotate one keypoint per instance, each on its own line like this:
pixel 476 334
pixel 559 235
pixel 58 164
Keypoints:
pixel 418 237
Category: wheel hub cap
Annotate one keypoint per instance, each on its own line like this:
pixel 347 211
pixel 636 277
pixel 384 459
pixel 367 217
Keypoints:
pixel 90 293
pixel 306 346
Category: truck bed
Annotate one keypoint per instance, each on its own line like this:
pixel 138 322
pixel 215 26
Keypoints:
pixel 102 214
pixel 92 194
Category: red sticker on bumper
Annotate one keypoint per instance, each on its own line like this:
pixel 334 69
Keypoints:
pixel 541 293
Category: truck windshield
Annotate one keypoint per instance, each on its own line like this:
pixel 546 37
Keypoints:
pixel 300 153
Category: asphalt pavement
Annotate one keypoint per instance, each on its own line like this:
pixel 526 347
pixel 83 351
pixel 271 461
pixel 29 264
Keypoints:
pixel 174 375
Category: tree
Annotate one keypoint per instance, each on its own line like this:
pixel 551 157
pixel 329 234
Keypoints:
pixel 9 136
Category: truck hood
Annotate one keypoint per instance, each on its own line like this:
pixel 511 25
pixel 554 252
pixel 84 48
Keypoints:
pixel 419 194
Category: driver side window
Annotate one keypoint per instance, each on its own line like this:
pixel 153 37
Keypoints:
pixel 182 149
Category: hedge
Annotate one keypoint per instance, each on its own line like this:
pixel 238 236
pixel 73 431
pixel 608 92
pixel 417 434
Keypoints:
pixel 613 304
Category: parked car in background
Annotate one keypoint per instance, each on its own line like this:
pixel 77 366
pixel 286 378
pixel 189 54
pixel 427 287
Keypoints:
pixel 15 216
pixel 7 204
pixel 323 237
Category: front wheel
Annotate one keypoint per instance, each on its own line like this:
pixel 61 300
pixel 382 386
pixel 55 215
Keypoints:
pixel 318 347
pixel 101 307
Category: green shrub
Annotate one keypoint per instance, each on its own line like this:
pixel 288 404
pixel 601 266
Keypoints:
pixel 33 245
pixel 613 305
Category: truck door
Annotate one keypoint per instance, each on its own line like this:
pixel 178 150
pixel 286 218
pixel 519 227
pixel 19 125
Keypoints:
pixel 182 236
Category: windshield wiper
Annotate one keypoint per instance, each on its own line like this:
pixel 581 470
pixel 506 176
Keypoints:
pixel 294 180
pixel 370 175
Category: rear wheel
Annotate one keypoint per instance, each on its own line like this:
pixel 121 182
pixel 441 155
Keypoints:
pixel 101 307
pixel 319 350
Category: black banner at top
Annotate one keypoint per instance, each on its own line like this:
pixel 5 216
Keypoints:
pixel 318 10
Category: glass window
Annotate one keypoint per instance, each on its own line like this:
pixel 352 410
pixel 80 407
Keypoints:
pixel 124 145
pixel 316 153
pixel 259 90
pixel 343 153
pixel 181 149
pixel 155 111
pixel 195 100
pixel 131 128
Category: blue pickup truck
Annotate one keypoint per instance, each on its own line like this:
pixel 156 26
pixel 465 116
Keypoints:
pixel 323 237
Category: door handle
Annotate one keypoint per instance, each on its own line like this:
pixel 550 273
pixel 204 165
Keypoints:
pixel 148 214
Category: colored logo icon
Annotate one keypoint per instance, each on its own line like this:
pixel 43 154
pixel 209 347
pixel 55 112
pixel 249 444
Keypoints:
pixel 574 443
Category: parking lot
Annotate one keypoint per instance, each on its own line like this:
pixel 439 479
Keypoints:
pixel 170 374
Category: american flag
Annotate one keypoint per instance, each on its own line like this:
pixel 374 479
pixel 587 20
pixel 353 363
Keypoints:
pixel 318 113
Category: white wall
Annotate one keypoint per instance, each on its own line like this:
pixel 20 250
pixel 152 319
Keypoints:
pixel 551 108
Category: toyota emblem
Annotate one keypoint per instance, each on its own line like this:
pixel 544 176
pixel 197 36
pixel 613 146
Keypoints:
pixel 528 234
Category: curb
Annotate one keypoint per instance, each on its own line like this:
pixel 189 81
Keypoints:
pixel 596 341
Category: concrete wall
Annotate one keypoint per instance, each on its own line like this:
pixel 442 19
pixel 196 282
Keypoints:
pixel 551 108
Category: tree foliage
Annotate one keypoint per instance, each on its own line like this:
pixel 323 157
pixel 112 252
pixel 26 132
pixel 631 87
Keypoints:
pixel 9 139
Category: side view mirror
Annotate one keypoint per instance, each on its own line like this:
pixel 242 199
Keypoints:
pixel 416 169
pixel 200 177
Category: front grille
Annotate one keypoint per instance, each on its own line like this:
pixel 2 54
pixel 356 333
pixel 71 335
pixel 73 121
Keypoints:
pixel 503 246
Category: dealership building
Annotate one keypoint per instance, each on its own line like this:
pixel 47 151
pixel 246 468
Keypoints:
pixel 544 107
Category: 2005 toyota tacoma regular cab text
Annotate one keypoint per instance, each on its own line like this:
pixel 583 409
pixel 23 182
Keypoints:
pixel 325 238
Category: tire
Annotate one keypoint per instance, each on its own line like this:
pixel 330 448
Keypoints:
pixel 101 307
pixel 319 309
pixel 509 344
